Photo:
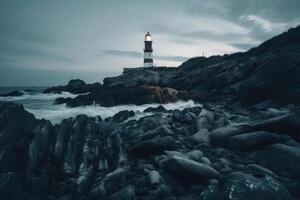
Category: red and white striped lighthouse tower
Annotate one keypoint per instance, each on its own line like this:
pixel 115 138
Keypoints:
pixel 148 57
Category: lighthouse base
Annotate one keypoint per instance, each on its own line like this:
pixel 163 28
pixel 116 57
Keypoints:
pixel 148 64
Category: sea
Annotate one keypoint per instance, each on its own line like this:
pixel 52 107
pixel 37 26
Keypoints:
pixel 42 105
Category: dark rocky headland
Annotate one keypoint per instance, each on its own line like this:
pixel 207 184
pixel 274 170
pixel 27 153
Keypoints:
pixel 243 143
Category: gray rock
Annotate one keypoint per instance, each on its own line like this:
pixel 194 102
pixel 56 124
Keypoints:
pixel 183 168
pixel 11 186
pixel 255 140
pixel 183 117
pixel 241 186
pixel 288 124
pixel 281 158
pixel 205 119
pixel 195 155
pixel 201 136
pixel 159 131
pixel 125 193
pixel 258 170
pixel 222 135
pixel 159 108
pixel 153 146
pixel 123 115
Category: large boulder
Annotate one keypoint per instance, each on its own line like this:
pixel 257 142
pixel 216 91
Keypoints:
pixel 205 119
pixel 240 186
pixel 222 135
pixel 153 146
pixel 187 169
pixel 75 85
pixel 288 124
pixel 183 116
pixel 255 140
pixel 123 115
pixel 201 136
pixel 281 158
pixel 159 131
pixel 16 127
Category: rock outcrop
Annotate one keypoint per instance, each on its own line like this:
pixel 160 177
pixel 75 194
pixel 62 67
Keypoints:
pixel 111 96
pixel 184 154
pixel 15 93
pixel 251 76
pixel 75 86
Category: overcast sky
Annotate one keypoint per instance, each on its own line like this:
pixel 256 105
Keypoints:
pixel 47 42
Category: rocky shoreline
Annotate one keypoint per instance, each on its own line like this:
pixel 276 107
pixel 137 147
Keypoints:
pixel 243 143
pixel 209 152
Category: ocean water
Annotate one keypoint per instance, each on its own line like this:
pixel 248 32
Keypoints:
pixel 41 105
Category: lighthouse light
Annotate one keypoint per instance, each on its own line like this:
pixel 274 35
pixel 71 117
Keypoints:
pixel 148 38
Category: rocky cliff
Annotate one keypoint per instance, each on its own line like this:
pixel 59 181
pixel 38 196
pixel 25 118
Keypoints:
pixel 270 71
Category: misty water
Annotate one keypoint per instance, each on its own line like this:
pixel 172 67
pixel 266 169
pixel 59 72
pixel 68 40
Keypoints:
pixel 42 106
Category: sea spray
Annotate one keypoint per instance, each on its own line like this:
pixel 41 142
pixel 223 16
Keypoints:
pixel 42 106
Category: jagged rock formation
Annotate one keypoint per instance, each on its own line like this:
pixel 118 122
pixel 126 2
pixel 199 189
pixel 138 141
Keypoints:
pixel 197 153
pixel 111 96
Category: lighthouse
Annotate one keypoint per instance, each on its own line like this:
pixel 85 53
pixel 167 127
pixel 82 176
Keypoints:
pixel 148 57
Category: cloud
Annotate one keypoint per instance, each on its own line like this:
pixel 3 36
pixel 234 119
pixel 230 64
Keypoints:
pixel 263 19
pixel 264 24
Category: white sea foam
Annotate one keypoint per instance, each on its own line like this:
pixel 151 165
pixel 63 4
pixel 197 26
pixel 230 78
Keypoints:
pixel 41 105
pixel 37 96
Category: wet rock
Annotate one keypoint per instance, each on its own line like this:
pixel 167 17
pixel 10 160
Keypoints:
pixel 183 117
pixel 62 100
pixel 11 186
pixel 183 168
pixel 205 120
pixel 159 108
pixel 16 135
pixel 160 131
pixel 112 96
pixel 195 155
pixel 201 136
pixel 152 122
pixel 288 124
pixel 255 140
pixel 281 158
pixel 238 185
pixel 154 177
pixel 123 115
pixel 15 93
pixel 196 110
pixel 110 184
pixel 258 171
pixel 222 135
pixel 153 146
pixel 176 153
pixel 75 86
pixel 125 193
pixel 242 186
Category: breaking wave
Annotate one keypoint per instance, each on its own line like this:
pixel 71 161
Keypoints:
pixel 41 105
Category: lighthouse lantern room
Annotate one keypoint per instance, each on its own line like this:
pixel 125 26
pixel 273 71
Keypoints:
pixel 148 57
